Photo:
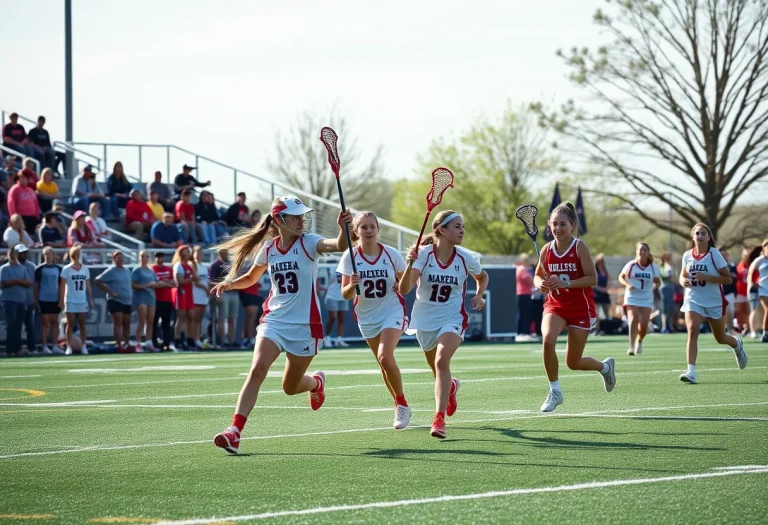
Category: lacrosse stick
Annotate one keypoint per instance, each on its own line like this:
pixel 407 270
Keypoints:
pixel 527 215
pixel 329 139
pixel 442 179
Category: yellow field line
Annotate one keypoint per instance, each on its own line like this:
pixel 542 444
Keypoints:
pixel 117 519
pixel 31 393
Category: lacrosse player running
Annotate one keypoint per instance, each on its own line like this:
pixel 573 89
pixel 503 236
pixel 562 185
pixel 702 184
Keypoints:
pixel 703 274
pixel 379 309
pixel 441 268
pixel 291 320
pixel 567 274
pixel 640 276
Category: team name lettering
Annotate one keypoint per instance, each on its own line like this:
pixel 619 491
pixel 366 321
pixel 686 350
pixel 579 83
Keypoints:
pixel 640 275
pixel 373 274
pixel 698 268
pixel 283 266
pixel 443 279
pixel 562 267
pixel 79 277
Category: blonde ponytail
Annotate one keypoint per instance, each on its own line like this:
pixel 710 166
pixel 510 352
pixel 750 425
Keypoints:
pixel 245 242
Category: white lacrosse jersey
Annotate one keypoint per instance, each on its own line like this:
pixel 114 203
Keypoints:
pixel 708 295
pixel 334 287
pixel 293 274
pixel 641 278
pixel 76 291
pixel 760 265
pixel 441 289
pixel 379 298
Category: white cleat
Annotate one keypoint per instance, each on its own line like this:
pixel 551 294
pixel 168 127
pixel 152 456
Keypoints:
pixel 688 378
pixel 46 350
pixel 554 398
pixel 68 351
pixel 84 350
pixel 741 355
pixel 630 351
pixel 639 349
pixel 341 344
pixel 402 417
pixel 327 343
pixel 609 378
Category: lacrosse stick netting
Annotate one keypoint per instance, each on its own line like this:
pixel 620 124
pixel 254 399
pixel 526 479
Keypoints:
pixel 329 139
pixel 527 215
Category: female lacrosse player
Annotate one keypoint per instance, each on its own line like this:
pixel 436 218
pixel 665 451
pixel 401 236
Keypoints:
pixel 186 278
pixel 704 271
pixel 75 296
pixel 759 268
pixel 379 309
pixel 641 278
pixel 291 320
pixel 441 268
pixel 566 274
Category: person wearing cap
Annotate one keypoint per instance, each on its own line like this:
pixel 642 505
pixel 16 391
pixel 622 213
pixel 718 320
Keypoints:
pixel 164 196
pixel 185 181
pixel 139 217
pixel 163 302
pixel 14 281
pixel 116 282
pixel 30 314
pixel 15 136
pixel 96 224
pixel 80 234
pixel 22 200
pixel 85 189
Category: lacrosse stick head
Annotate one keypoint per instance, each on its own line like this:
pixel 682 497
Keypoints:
pixel 329 139
pixel 527 215
pixel 442 179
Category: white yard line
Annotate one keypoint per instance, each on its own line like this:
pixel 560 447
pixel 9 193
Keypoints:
pixel 19 377
pixel 359 430
pixel 751 469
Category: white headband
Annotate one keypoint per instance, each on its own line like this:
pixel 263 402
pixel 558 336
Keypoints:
pixel 449 219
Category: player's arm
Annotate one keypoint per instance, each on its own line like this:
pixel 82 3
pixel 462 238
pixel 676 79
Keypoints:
pixel 724 276
pixel 89 291
pixel 348 285
pixel 411 275
pixel 587 266
pixel 623 279
pixel 62 288
pixel 478 301
pixel 751 274
pixel 104 287
pixel 244 281
pixel 540 279
pixel 339 244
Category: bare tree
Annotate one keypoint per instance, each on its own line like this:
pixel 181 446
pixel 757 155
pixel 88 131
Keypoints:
pixel 677 106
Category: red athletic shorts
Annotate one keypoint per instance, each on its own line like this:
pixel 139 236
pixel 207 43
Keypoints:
pixel 575 318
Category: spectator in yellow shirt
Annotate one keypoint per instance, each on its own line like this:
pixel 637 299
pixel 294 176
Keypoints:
pixel 156 206
pixel 47 190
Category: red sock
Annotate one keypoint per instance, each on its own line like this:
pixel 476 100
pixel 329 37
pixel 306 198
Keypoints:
pixel 400 400
pixel 239 422
pixel 440 415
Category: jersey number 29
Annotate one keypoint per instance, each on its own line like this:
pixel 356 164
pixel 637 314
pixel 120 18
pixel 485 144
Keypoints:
pixel 374 289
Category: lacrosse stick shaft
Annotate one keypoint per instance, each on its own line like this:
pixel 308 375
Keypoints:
pixel 346 230
pixel 418 241
pixel 543 268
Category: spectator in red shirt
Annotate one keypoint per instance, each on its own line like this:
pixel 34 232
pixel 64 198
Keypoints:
pixel 80 234
pixel 15 137
pixel 163 301
pixel 139 217
pixel 23 200
pixel 185 217
pixel 236 215
pixel 29 171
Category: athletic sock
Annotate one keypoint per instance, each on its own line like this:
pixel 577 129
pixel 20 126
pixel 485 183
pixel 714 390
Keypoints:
pixel 554 386
pixel 692 369
pixel 400 400
pixel 239 422
pixel 605 368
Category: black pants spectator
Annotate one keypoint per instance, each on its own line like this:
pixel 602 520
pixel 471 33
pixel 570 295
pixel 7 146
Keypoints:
pixel 45 204
pixel 524 307
pixel 30 326
pixel 30 223
pixel 537 313
pixel 14 321
pixel 163 310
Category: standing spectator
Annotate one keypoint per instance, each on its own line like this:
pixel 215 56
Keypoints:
pixel 227 303
pixel 51 236
pixel 163 302
pixel 144 281
pixel 668 280
pixel 118 187
pixel 185 219
pixel 184 181
pixel 116 282
pixel 85 189
pixel 165 234
pixel 184 303
pixel 14 281
pixel 156 206
pixel 200 296
pixel 236 215
pixel 40 138
pixel 29 169
pixel 76 297
pixel 15 136
pixel 337 306
pixel 79 234
pixel 600 290
pixel 139 217
pixel 162 190
pixel 251 300
pixel 524 287
pixel 47 277
pixel 22 200
pixel 96 224
pixel 729 290
pixel 208 218
pixel 47 190
pixel 22 253
pixel 15 233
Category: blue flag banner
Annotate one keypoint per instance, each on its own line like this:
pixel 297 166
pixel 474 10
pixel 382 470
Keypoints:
pixel 580 214
pixel 555 203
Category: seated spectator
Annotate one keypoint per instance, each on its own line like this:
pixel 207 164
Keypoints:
pixel 162 190
pixel 138 215
pixel 49 234
pixel 156 206
pixel 85 189
pixel 118 187
pixel 185 219
pixel 40 138
pixel 16 234
pixel 61 224
pixel 8 171
pixel 29 168
pixel 47 190
pixel 79 234
pixel 165 234
pixel 96 224
pixel 22 200
pixel 15 137
pixel 237 214
pixel 208 218
pixel 255 217
pixel 185 181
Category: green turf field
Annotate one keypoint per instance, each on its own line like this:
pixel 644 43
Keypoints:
pixel 127 439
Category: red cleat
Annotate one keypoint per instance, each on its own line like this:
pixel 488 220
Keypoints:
pixel 317 396
pixel 438 427
pixel 229 440
pixel 452 403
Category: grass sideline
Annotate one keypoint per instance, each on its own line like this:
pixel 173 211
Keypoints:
pixel 127 439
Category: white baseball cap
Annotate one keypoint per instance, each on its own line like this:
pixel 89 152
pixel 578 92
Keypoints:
pixel 289 205
pixel 21 248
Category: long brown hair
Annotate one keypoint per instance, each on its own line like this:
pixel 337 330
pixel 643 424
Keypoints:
pixel 436 228
pixel 569 210
pixel 356 222
pixel 647 247
pixel 709 232
pixel 177 254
